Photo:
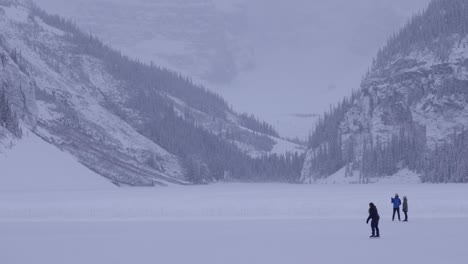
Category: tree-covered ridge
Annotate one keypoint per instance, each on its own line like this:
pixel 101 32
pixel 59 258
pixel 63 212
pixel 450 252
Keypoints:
pixel 205 155
pixel 253 123
pixel 326 141
pixel 437 28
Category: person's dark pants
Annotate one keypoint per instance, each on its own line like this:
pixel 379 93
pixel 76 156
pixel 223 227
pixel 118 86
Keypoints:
pixel 375 227
pixel 396 210
pixel 406 216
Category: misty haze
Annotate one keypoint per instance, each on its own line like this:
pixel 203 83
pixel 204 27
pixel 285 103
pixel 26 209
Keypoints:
pixel 233 131
pixel 271 58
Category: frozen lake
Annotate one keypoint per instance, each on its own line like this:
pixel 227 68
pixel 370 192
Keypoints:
pixel 233 223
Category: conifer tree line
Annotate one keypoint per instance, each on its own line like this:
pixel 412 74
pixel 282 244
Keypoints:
pixel 260 142
pixel 207 156
pixel 204 155
pixel 386 157
pixel 326 140
pixel 448 162
pixel 8 118
pixel 253 123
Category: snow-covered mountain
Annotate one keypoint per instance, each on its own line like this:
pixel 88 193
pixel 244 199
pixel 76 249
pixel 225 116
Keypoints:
pixel 411 111
pixel 133 123
pixel 301 55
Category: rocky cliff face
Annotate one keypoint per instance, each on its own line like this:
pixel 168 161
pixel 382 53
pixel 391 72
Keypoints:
pixel 414 99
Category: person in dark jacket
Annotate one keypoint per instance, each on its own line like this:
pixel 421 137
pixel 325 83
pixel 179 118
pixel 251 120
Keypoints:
pixel 374 216
pixel 396 206
pixel 405 208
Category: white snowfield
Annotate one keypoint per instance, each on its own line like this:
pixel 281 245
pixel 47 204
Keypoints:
pixel 33 164
pixel 233 223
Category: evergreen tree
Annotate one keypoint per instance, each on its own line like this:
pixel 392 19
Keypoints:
pixel 8 118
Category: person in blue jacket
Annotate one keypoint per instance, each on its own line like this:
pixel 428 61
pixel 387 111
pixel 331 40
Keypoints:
pixel 396 206
pixel 374 216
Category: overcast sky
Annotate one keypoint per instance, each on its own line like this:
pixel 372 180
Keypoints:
pixel 289 57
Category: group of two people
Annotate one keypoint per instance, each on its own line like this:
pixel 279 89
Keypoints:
pixel 396 207
pixel 375 218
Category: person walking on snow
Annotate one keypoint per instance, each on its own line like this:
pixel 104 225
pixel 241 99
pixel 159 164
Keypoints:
pixel 374 216
pixel 405 208
pixel 396 206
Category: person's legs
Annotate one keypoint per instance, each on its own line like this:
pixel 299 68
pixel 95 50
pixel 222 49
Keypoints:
pixel 406 216
pixel 394 211
pixel 377 228
pixel 398 210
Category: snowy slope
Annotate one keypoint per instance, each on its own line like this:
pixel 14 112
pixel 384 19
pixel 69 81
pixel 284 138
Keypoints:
pixel 92 104
pixel 66 97
pixel 34 164
pixel 404 176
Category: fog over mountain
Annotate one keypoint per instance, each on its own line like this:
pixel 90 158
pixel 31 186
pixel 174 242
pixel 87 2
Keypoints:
pixel 285 61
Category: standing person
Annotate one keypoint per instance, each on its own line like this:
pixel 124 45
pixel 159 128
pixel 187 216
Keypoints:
pixel 374 216
pixel 405 208
pixel 396 206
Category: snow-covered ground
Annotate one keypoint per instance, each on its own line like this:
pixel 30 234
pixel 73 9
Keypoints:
pixel 233 223
pixel 404 176
pixel 33 164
